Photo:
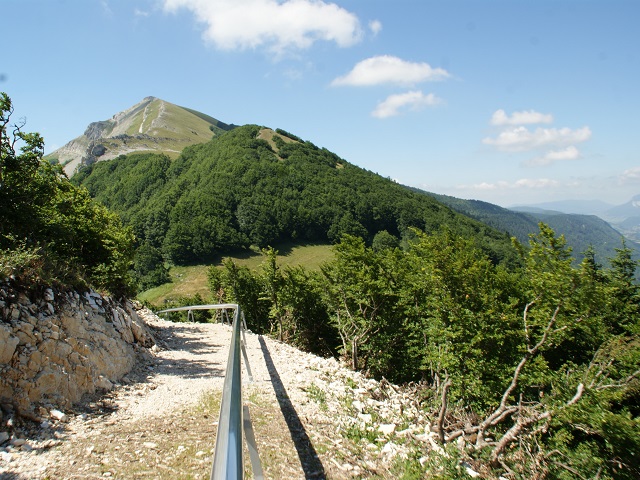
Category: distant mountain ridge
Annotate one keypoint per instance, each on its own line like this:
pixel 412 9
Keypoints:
pixel 581 231
pixel 624 218
pixel 152 125
pixel 580 207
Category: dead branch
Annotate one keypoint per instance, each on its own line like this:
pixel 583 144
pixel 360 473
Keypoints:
pixel 522 423
pixel 443 408
pixel 512 434
pixel 503 411
pixel 624 383
pixel 571 470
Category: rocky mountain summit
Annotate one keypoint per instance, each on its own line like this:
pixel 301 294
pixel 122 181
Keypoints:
pixel 152 125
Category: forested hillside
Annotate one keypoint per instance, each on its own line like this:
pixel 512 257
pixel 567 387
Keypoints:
pixel 254 186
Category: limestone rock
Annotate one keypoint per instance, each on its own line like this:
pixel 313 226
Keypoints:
pixel 104 383
pixel 387 428
pixel 56 354
pixel 58 415
pixel 8 344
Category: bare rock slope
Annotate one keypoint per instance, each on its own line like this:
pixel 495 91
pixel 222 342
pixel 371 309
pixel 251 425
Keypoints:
pixel 152 125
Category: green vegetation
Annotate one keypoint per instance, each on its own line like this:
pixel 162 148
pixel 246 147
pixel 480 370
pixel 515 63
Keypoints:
pixel 187 281
pixel 236 191
pixel 51 230
pixel 317 395
pixel 531 359
pixel 536 367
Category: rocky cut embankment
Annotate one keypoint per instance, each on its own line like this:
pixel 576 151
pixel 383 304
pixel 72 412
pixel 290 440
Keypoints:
pixel 56 346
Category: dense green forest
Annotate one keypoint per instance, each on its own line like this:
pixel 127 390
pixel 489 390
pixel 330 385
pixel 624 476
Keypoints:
pixel 240 190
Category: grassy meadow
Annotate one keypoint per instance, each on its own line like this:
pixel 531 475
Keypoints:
pixel 191 280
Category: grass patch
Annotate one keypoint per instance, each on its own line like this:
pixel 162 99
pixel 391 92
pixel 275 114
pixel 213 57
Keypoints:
pixel 310 256
pixel 185 282
pixel 318 395
pixel 189 280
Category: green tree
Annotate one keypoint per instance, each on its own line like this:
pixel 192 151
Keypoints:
pixel 240 285
pixel 149 267
pixel 308 324
pixel 458 317
pixel 79 240
pixel 359 293
pixel 272 281
pixel 623 292
pixel 384 239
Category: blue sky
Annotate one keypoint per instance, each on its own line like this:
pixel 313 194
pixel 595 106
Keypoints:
pixel 510 102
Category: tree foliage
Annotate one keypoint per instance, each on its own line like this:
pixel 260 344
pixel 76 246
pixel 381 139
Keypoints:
pixel 536 368
pixel 287 302
pixel 238 190
pixel 546 357
pixel 76 239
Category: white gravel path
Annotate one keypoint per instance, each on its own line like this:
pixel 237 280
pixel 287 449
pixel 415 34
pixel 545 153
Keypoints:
pixel 298 433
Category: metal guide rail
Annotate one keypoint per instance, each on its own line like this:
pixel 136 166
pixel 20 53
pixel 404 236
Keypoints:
pixel 234 417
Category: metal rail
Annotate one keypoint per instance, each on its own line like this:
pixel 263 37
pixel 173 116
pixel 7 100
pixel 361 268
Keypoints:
pixel 228 458
pixel 227 462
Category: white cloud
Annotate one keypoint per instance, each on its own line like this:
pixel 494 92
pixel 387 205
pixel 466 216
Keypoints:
pixel 569 153
pixel 414 100
pixel 520 139
pixel 550 145
pixel 106 8
pixel 523 183
pixel 375 26
pixel 500 118
pixel 485 186
pixel 279 26
pixel 536 183
pixel 630 176
pixel 389 70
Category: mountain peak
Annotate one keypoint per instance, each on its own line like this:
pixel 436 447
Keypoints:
pixel 151 125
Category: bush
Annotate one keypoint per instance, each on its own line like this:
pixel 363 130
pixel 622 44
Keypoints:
pixel 48 223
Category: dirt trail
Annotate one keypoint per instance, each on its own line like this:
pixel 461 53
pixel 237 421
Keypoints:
pixel 161 420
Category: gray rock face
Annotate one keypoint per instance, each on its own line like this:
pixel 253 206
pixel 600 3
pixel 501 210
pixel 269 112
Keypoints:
pixel 54 353
pixel 95 130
